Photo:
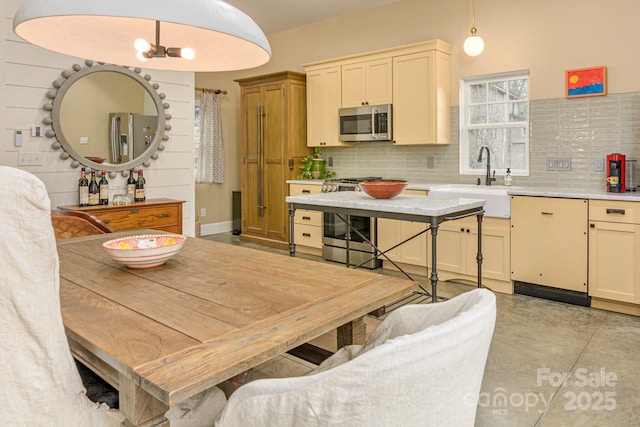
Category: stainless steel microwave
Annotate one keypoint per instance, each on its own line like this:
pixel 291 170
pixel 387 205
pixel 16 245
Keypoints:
pixel 366 123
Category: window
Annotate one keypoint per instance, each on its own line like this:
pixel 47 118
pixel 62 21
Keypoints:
pixel 494 111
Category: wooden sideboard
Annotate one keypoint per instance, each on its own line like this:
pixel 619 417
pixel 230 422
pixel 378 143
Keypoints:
pixel 157 214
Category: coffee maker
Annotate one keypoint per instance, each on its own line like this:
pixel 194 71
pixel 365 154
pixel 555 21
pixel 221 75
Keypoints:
pixel 616 173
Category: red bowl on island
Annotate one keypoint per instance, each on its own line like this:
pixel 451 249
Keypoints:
pixel 383 189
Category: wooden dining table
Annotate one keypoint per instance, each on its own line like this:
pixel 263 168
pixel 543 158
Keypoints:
pixel 215 310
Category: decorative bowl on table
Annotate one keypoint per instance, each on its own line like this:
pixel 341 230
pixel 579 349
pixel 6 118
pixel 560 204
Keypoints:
pixel 383 189
pixel 144 251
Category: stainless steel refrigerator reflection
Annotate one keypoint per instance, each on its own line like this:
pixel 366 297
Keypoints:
pixel 130 134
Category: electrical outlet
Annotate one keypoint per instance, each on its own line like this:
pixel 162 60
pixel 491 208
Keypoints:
pixel 330 162
pixel 203 212
pixel 26 158
pixel 598 164
pixel 431 162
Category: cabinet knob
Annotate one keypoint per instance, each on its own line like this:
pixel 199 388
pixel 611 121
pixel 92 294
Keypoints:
pixel 306 234
pixel 306 191
pixel 306 218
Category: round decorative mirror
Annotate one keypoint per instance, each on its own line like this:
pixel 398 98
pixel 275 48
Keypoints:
pixel 107 117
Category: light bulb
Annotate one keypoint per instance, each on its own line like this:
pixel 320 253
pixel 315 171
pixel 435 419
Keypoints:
pixel 142 45
pixel 188 53
pixel 473 45
pixel 141 57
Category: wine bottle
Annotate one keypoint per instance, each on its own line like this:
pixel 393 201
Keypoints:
pixel 131 184
pixel 140 196
pixel 103 186
pixel 94 190
pixel 83 189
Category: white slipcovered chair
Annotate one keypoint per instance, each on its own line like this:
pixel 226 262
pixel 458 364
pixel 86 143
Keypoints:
pixel 423 366
pixel 39 381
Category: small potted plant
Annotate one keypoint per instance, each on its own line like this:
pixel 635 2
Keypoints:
pixel 314 166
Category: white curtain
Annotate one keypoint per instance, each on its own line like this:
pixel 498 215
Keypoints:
pixel 210 168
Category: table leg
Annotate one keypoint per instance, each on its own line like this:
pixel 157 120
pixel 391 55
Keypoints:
pixel 138 406
pixel 292 245
pixel 354 332
pixel 479 255
pixel 434 263
pixel 347 241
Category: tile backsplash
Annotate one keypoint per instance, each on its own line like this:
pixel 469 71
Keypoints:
pixel 581 129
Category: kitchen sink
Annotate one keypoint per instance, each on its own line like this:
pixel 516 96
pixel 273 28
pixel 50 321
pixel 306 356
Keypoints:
pixel 497 200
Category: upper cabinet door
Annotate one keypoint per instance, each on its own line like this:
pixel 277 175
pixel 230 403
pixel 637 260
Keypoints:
pixel 367 83
pixel 421 98
pixel 323 103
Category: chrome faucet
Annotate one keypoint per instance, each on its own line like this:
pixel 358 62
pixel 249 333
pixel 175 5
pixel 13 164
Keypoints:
pixel 488 179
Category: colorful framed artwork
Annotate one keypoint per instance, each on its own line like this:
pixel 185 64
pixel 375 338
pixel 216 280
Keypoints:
pixel 586 82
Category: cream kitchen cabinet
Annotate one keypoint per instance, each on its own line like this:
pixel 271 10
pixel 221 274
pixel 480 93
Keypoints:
pixel 367 83
pixel 308 225
pixel 392 231
pixel 549 242
pixel 324 98
pixel 614 251
pixel 421 92
pixel 457 243
pixel 413 78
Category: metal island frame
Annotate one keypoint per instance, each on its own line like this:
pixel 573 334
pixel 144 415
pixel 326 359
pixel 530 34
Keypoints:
pixel 430 210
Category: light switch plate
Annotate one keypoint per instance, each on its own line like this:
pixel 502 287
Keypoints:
pixel 560 164
pixel 27 158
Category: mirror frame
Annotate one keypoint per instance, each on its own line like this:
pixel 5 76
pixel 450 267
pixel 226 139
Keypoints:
pixel 62 85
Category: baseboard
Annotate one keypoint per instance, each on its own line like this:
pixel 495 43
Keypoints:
pixel 216 228
pixel 554 294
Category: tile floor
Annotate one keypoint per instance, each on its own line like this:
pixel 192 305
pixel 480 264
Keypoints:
pixel 550 363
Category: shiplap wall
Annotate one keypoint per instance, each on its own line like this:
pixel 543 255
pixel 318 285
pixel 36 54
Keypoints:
pixel 27 73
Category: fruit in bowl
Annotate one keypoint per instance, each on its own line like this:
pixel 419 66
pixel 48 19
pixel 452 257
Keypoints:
pixel 383 189
pixel 144 251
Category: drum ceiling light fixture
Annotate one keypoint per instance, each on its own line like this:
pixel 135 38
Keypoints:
pixel 208 35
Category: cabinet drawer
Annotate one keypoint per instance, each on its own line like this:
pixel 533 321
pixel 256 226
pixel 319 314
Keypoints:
pixel 132 218
pixel 308 235
pixel 614 211
pixel 308 217
pixel 301 189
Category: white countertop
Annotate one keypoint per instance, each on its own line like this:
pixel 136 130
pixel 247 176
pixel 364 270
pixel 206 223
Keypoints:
pixel 564 192
pixel 403 204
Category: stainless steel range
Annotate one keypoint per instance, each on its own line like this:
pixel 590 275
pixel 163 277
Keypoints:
pixel 362 233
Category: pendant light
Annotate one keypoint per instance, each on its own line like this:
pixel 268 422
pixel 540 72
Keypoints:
pixel 473 45
pixel 213 34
